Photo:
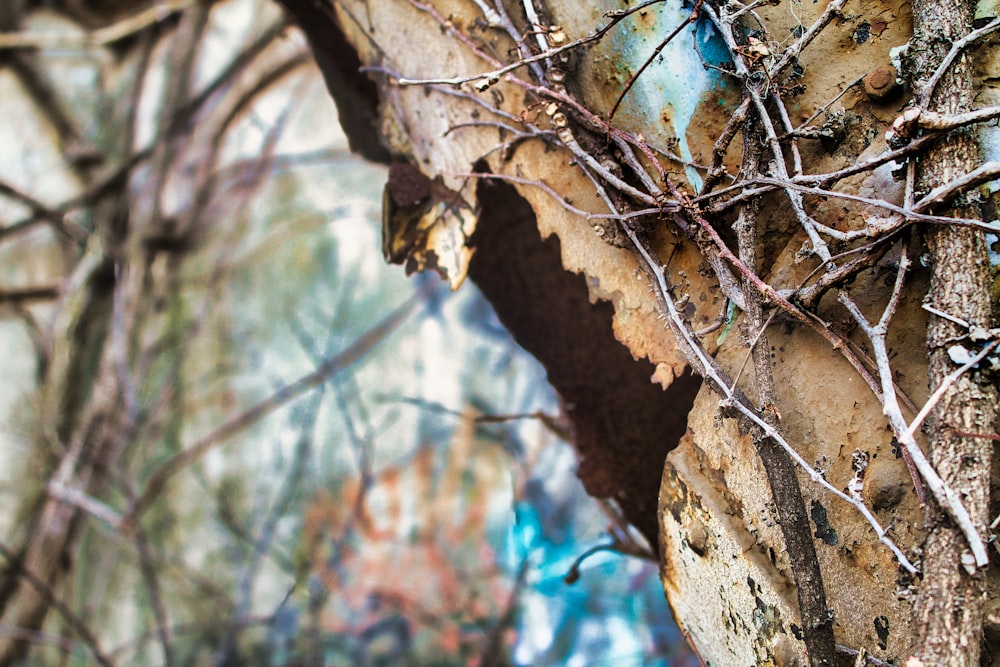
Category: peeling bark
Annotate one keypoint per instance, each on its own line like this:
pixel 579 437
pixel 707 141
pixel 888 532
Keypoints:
pixel 749 577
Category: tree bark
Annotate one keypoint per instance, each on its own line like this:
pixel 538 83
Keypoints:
pixel 601 142
pixel 950 603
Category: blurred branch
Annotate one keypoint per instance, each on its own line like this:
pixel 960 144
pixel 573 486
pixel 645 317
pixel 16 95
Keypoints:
pixel 109 183
pixel 260 167
pixel 269 78
pixel 362 442
pixel 39 338
pixel 172 136
pixel 362 346
pixel 64 644
pixel 77 624
pixel 19 296
pixel 114 178
pixel 195 629
pixel 15 193
pixel 49 102
pixel 151 579
pixel 556 424
pixel 281 162
pixel 83 501
pixel 262 544
pixel 240 63
pixel 159 11
pixel 492 654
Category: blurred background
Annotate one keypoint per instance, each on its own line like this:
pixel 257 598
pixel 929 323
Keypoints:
pixel 229 433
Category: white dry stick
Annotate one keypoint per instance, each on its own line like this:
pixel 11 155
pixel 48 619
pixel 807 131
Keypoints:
pixel 956 48
pixel 819 246
pixel 97 38
pixel 492 18
pixel 494 75
pixel 566 137
pixel 706 366
pixel 943 494
pixel 536 23
pixel 940 313
pixel 985 173
pixel 932 120
pixel 948 381
pixel 792 52
pixel 85 502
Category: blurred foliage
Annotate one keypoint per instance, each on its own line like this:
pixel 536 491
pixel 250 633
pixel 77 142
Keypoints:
pixel 231 435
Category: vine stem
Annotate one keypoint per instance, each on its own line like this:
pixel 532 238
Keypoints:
pixel 709 370
pixel 942 492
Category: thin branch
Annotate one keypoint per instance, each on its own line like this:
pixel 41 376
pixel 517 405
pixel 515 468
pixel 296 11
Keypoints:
pixel 951 318
pixel 721 146
pixel 160 11
pixel 863 656
pixel 649 61
pixel 798 130
pixel 85 502
pixel 76 624
pixel 904 215
pixel 535 25
pixel 493 76
pixel 949 380
pixel 568 140
pixel 794 50
pixel 355 352
pixel 780 471
pixel 24 295
pixel 983 174
pixel 706 366
pixel 943 494
pixel 923 96
pixel 151 579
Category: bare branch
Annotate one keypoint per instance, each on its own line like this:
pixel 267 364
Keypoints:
pixel 925 93
pixel 101 37
pixel 356 351
pixel 707 366
pixel 76 623
pixel 983 174
pixel 943 494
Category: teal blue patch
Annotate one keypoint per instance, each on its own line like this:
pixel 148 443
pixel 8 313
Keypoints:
pixel 731 311
pixel 676 82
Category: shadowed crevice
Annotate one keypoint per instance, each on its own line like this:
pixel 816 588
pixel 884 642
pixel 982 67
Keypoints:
pixel 624 424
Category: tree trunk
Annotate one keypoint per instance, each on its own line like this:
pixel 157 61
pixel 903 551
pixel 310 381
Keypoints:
pixel 789 516
pixel 950 605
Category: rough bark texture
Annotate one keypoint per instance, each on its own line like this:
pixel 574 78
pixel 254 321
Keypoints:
pixel 950 603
